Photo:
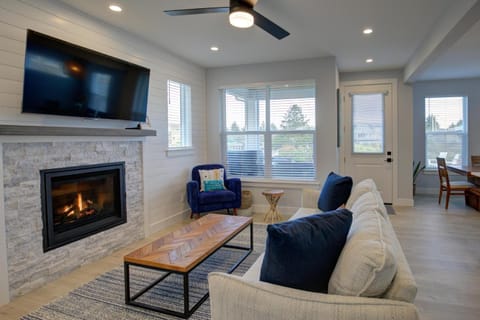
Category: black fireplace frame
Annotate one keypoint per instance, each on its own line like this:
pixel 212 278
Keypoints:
pixel 52 240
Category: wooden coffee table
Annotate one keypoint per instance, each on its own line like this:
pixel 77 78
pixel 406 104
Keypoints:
pixel 180 251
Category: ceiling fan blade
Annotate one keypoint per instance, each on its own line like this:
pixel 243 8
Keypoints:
pixel 269 26
pixel 184 12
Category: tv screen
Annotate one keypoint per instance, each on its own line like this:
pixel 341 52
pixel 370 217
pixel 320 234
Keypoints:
pixel 65 79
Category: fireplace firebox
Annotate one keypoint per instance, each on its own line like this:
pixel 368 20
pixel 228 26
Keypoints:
pixel 80 201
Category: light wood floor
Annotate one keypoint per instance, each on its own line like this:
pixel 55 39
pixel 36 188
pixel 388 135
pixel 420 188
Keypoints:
pixel 442 247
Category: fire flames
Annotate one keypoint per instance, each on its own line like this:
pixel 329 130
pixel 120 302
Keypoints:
pixel 77 209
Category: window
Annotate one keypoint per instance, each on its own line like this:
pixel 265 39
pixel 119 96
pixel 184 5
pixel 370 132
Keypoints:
pixel 368 123
pixel 179 118
pixel 446 130
pixel 269 131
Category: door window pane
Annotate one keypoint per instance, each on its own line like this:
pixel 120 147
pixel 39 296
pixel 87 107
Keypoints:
pixel 368 119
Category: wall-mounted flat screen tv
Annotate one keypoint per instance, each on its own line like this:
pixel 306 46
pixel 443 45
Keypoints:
pixel 65 79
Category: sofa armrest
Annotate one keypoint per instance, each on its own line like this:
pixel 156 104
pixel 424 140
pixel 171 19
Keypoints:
pixel 235 185
pixel 234 298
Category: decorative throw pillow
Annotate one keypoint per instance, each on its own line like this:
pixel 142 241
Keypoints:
pixel 367 264
pixel 335 192
pixel 302 253
pixel 211 175
pixel 212 185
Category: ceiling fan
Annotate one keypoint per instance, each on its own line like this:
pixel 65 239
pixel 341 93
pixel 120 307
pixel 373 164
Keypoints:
pixel 241 15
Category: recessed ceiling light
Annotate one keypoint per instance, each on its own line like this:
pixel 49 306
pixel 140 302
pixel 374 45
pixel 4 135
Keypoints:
pixel 369 60
pixel 115 8
pixel 214 48
pixel 367 30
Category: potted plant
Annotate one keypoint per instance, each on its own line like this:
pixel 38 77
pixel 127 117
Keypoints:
pixel 417 169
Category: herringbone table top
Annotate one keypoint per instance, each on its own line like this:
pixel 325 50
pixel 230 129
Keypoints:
pixel 185 248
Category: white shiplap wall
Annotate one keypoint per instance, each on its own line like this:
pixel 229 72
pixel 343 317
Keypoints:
pixel 164 177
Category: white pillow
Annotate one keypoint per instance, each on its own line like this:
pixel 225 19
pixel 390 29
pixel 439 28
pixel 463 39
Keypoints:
pixel 367 265
pixel 359 189
pixel 209 175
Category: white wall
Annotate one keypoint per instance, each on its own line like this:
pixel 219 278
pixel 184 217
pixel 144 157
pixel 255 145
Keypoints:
pixel 324 72
pixel 428 182
pixel 164 177
pixel 404 126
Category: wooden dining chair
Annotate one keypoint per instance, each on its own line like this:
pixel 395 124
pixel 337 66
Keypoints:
pixel 475 160
pixel 450 187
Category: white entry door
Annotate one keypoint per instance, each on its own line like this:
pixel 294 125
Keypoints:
pixel 368 135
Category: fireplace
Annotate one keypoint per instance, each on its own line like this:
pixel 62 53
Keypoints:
pixel 80 201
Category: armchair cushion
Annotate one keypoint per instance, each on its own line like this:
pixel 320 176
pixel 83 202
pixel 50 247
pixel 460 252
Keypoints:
pixel 302 253
pixel 217 196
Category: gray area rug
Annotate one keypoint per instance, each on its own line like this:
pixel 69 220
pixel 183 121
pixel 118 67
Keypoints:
pixel 390 209
pixel 103 297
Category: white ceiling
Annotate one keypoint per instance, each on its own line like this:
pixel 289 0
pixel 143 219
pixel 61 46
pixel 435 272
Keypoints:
pixel 318 28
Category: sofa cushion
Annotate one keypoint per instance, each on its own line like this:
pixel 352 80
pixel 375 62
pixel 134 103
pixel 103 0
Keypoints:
pixel 335 192
pixel 367 265
pixel 302 253
pixel 369 201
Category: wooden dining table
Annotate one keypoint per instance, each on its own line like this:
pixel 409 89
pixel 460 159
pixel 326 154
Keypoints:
pixel 472 172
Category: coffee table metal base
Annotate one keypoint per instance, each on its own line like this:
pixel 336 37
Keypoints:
pixel 187 312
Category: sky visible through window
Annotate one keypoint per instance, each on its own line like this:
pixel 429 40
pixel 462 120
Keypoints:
pixel 236 112
pixel 446 110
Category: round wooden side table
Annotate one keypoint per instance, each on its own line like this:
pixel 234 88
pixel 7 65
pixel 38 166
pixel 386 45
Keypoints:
pixel 272 197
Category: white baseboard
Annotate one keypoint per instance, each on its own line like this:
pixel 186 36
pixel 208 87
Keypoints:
pixel 167 222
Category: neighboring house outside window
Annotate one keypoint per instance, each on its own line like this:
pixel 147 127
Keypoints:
pixel 269 131
pixel 179 115
pixel 446 133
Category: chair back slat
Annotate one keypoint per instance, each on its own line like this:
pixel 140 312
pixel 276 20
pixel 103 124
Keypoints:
pixel 443 172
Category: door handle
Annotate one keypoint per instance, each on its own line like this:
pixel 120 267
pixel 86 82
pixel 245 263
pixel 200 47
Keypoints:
pixel 388 160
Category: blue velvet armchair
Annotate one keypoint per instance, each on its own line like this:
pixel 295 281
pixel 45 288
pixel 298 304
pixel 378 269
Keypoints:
pixel 205 201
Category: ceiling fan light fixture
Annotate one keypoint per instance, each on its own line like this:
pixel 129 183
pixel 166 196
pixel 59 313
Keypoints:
pixel 240 18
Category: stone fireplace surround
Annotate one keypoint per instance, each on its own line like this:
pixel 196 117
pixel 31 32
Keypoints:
pixel 28 266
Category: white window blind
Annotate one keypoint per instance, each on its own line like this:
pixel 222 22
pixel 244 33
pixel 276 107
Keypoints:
pixel 269 131
pixel 179 115
pixel 446 130
pixel 368 119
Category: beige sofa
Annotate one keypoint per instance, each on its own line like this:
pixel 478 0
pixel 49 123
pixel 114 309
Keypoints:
pixel 372 279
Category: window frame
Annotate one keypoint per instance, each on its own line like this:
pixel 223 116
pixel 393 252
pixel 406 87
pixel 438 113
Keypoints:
pixel 268 133
pixel 185 111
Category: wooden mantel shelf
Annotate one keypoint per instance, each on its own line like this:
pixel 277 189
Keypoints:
pixel 21 130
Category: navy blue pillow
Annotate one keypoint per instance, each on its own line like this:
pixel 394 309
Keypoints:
pixel 335 192
pixel 302 253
